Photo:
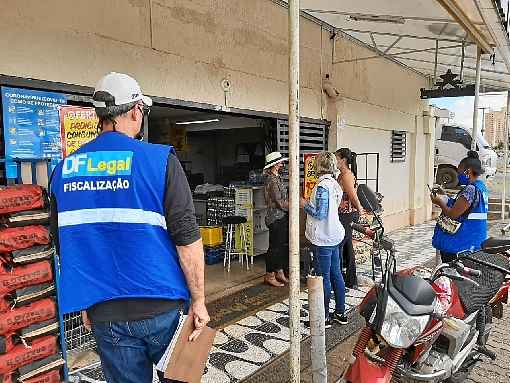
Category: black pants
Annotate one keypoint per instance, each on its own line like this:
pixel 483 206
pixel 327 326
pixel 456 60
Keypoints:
pixel 447 257
pixel 277 256
pixel 349 258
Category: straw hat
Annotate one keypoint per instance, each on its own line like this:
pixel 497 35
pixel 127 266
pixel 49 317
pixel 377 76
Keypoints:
pixel 273 159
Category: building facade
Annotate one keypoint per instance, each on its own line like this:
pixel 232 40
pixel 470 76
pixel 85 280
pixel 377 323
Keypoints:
pixel 182 51
pixel 494 126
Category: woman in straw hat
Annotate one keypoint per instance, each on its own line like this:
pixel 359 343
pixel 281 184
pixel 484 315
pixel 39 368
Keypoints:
pixel 277 221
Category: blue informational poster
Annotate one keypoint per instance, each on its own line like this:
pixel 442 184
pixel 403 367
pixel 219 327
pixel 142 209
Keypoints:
pixel 31 125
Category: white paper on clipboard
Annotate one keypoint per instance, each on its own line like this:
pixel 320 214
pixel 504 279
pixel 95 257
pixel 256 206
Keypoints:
pixel 163 362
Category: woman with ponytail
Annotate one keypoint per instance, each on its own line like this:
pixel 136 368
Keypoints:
pixel 349 207
pixel 465 215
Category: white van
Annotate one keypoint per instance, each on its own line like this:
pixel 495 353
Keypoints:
pixel 452 144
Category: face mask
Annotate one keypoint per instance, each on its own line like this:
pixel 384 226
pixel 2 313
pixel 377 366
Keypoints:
pixel 463 179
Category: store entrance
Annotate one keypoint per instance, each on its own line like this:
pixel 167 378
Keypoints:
pixel 223 157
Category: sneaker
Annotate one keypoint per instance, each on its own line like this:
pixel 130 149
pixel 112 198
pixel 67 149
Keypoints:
pixel 327 323
pixel 340 318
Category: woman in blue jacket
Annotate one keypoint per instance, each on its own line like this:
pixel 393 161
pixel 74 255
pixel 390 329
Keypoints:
pixel 469 208
pixel 325 232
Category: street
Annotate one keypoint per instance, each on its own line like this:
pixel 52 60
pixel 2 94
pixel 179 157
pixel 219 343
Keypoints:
pixel 499 342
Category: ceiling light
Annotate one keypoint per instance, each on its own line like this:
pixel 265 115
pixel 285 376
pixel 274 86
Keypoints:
pixel 378 18
pixel 197 122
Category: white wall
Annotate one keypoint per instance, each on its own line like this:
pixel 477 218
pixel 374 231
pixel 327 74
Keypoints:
pixel 182 49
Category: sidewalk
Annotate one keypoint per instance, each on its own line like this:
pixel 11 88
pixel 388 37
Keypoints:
pixel 485 372
pixel 245 348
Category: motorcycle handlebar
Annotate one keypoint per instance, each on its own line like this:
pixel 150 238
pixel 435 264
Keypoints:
pixel 363 230
pixel 468 271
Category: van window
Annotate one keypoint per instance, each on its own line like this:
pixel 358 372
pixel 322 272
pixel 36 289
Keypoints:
pixel 456 134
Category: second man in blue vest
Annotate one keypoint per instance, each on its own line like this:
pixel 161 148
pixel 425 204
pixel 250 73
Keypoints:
pixel 131 255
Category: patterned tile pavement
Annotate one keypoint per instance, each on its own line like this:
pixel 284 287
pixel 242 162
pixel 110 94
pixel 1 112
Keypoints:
pixel 243 348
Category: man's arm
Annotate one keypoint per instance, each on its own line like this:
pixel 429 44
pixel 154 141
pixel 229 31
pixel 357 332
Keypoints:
pixel 191 258
pixel 183 229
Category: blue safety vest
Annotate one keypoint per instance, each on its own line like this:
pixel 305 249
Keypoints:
pixel 473 230
pixel 111 223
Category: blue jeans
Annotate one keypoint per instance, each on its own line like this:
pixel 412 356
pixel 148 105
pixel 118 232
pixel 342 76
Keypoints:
pixel 128 350
pixel 328 263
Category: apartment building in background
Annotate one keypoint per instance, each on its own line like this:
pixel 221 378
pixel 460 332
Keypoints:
pixel 494 127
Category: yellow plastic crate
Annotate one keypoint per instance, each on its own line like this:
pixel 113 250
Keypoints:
pixel 211 235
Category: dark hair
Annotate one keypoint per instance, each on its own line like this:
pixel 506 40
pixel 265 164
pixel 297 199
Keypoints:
pixel 110 113
pixel 472 161
pixel 350 157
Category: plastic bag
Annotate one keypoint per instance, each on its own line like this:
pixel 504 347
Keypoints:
pixel 18 198
pixel 25 316
pixel 19 238
pixel 24 276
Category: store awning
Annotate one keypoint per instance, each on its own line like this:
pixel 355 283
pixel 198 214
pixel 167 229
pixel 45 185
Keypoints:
pixel 411 32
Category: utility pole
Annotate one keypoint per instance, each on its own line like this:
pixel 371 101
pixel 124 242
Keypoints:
pixel 505 166
pixel 483 109
pixel 294 195
pixel 477 97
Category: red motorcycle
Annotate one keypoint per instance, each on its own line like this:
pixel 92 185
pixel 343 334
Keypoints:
pixel 433 327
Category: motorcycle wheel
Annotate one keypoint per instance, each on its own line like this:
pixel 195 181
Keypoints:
pixel 460 376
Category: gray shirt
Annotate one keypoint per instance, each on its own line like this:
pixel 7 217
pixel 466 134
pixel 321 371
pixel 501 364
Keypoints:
pixel 275 193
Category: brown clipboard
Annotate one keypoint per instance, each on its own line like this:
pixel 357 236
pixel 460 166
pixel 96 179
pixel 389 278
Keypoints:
pixel 188 359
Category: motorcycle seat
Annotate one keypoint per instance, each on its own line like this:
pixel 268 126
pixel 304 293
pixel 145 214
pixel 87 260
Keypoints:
pixel 414 294
pixel 495 245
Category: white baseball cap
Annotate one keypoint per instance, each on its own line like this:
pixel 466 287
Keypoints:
pixel 116 89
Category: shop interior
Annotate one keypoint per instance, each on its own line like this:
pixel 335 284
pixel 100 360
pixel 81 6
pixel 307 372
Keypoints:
pixel 223 156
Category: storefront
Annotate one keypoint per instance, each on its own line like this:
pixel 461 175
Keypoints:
pixel 222 154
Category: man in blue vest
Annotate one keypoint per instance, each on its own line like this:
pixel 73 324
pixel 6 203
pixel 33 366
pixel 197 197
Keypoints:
pixel 130 248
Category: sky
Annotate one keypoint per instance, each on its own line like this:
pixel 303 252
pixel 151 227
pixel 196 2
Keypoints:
pixel 463 107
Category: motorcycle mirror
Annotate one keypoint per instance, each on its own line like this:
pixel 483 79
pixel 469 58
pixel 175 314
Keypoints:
pixel 368 199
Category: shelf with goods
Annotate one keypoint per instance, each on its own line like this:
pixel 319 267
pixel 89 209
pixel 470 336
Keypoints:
pixel 250 203
pixel 32 346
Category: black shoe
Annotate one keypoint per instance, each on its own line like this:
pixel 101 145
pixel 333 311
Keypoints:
pixel 327 324
pixel 340 318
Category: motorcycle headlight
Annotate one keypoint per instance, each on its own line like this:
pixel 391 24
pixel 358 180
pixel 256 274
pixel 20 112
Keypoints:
pixel 400 330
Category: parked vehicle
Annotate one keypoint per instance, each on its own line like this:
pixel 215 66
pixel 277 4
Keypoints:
pixel 428 326
pixel 452 144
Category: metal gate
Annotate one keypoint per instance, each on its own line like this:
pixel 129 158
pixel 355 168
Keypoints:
pixel 313 138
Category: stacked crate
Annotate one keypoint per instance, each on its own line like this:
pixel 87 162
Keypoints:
pixel 30 350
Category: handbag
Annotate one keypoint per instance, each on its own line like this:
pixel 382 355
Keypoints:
pixel 448 225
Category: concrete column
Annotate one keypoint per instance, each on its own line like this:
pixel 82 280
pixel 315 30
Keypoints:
pixel 421 158
pixel 294 192
pixel 429 130
pixel 336 114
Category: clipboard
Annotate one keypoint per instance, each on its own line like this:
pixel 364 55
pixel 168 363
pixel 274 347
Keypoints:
pixel 184 361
